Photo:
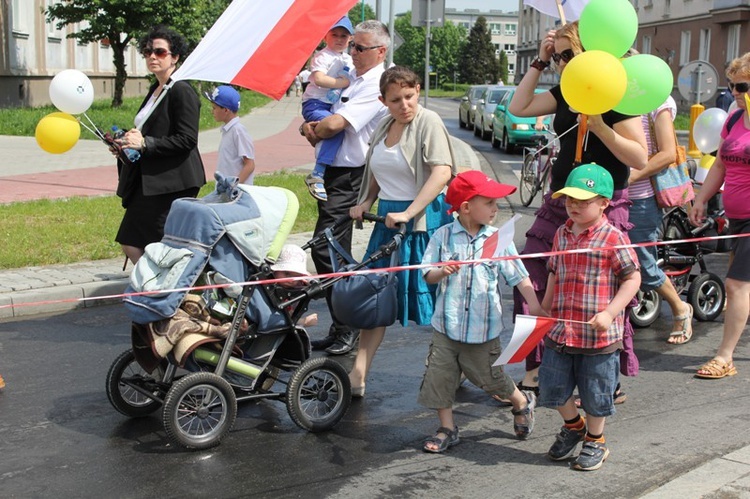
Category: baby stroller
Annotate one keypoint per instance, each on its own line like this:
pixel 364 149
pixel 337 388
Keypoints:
pixel 198 349
pixel 705 290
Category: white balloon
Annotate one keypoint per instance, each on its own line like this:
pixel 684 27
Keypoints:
pixel 707 129
pixel 71 91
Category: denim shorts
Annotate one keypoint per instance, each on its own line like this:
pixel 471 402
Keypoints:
pixel 595 376
pixel 645 216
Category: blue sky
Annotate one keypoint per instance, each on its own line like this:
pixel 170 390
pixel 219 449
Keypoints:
pixel 404 5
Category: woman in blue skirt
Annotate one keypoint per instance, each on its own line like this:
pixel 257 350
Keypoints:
pixel 409 163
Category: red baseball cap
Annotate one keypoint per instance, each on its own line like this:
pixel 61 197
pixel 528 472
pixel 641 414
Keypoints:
pixel 473 183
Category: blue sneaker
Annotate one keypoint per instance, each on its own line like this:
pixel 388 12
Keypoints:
pixel 565 443
pixel 592 456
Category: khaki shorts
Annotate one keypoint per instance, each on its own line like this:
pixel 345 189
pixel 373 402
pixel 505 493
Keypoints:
pixel 447 359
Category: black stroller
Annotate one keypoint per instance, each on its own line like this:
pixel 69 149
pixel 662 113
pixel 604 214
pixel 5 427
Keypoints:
pixel 205 343
pixel 705 290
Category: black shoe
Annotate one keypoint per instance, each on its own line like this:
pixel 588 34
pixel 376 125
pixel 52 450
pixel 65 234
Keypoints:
pixel 344 343
pixel 323 343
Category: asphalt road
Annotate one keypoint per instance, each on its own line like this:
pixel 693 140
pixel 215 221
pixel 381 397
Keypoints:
pixel 60 437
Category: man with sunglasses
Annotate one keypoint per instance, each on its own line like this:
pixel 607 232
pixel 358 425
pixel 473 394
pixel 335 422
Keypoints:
pixel 356 113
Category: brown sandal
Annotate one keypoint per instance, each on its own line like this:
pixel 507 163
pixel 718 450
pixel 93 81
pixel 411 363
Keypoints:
pixel 716 369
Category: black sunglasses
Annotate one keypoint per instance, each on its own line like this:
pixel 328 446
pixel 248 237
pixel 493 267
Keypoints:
pixel 158 52
pixel 565 56
pixel 741 87
pixel 361 48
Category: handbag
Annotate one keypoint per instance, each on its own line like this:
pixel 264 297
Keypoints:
pixel 672 186
pixel 363 301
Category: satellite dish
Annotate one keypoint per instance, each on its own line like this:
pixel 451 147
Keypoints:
pixel 697 81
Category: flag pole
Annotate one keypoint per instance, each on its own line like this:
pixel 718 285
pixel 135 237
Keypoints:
pixel 560 11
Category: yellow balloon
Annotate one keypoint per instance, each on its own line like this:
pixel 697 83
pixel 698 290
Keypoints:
pixel 57 133
pixel 593 82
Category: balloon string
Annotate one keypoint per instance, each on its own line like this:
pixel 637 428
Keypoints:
pixel 555 138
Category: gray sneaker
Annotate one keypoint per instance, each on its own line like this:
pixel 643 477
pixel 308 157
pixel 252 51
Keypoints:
pixel 565 443
pixel 592 456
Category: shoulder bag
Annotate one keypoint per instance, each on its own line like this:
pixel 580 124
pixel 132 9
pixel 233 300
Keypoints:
pixel 673 185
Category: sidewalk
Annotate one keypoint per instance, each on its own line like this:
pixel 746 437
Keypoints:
pixel 88 170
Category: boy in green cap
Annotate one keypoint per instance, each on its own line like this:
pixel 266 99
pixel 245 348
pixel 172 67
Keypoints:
pixel 588 291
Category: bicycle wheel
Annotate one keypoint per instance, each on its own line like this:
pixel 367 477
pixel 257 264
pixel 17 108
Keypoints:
pixel 528 185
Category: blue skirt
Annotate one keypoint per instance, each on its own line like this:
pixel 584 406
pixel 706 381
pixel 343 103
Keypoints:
pixel 416 299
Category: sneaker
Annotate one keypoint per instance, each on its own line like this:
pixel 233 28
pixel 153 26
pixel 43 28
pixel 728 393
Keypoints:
pixel 344 343
pixel 592 456
pixel 565 443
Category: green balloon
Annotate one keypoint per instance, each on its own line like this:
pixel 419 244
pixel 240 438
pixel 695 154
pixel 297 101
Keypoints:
pixel 608 25
pixel 650 82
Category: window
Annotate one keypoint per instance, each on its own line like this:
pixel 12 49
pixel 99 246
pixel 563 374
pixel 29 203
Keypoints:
pixel 52 31
pixel 704 49
pixel 646 45
pixel 667 7
pixel 509 47
pixel 684 47
pixel 510 29
pixel 20 16
pixel 733 42
pixel 495 28
pixel 511 69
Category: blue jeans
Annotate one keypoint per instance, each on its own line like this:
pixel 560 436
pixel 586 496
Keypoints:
pixel 316 110
pixel 645 216
pixel 595 376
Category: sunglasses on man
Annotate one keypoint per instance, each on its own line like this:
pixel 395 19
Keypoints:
pixel 362 48
pixel 565 56
pixel 160 53
pixel 741 87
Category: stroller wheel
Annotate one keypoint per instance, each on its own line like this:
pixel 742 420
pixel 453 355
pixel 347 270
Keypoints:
pixel 199 410
pixel 707 296
pixel 318 394
pixel 647 311
pixel 126 399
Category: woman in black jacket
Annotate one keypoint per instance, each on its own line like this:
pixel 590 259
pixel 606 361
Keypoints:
pixel 166 135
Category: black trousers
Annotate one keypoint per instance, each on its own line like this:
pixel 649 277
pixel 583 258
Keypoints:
pixel 342 186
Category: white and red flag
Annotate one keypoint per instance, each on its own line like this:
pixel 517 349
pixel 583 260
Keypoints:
pixel 262 45
pixel 529 330
pixel 565 10
pixel 501 239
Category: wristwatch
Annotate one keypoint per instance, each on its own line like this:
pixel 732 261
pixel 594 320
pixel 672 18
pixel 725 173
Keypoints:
pixel 539 64
pixel 302 132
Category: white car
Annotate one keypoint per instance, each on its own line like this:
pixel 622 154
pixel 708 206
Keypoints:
pixel 486 109
pixel 468 106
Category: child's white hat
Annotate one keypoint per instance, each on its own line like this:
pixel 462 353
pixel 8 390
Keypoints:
pixel 291 259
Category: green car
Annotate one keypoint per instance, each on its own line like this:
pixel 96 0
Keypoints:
pixel 510 130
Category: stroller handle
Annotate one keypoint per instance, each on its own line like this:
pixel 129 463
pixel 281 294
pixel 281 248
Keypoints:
pixel 346 219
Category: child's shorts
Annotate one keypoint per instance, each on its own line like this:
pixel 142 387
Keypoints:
pixel 595 376
pixel 447 359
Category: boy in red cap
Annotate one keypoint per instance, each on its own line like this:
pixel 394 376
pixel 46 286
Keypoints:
pixel 468 314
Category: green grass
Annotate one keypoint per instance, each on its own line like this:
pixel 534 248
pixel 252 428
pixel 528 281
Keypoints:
pixel 23 121
pixel 47 232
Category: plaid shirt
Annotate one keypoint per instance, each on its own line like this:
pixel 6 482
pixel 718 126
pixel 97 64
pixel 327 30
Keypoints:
pixel 585 283
pixel 468 304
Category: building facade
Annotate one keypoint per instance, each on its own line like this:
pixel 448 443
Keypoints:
pixel 33 51
pixel 503 28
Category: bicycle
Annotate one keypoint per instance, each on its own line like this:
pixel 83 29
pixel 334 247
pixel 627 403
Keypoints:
pixel 534 172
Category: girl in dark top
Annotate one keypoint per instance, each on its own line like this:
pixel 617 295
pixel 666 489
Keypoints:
pixel 615 141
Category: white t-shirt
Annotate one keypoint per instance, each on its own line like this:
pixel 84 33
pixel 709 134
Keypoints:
pixel 331 63
pixel 236 144
pixel 360 106
pixel 392 172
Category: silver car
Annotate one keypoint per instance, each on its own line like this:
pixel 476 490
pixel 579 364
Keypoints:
pixel 486 109
pixel 468 106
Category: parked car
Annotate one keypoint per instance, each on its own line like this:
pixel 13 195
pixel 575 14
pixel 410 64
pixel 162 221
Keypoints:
pixel 469 105
pixel 486 109
pixel 508 129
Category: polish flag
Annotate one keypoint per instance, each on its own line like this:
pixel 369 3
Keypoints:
pixel 501 239
pixel 528 332
pixel 571 9
pixel 262 45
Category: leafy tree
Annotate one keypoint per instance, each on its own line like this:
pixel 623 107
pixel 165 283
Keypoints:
pixel 445 47
pixel 355 13
pixel 478 63
pixel 122 22
pixel 502 60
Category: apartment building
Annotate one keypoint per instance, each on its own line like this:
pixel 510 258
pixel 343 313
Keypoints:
pixel 32 51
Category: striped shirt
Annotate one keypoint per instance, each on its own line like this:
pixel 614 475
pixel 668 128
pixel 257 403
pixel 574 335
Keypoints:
pixel 468 305
pixel 642 189
pixel 585 283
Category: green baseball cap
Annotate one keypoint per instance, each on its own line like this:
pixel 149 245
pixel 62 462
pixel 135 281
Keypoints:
pixel 586 182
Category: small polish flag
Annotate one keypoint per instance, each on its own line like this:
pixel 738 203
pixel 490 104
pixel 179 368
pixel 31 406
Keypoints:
pixel 497 242
pixel 528 332
pixel 571 9
pixel 262 45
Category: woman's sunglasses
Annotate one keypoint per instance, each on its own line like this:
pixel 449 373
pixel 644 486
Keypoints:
pixel 741 87
pixel 158 52
pixel 565 56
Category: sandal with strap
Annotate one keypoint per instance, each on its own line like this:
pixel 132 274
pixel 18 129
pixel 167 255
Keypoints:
pixel 451 439
pixel 524 430
pixel 686 333
pixel 716 369
pixel 316 187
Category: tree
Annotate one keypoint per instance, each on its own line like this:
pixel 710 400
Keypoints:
pixel 503 63
pixel 355 13
pixel 121 22
pixel 478 63
pixel 445 47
